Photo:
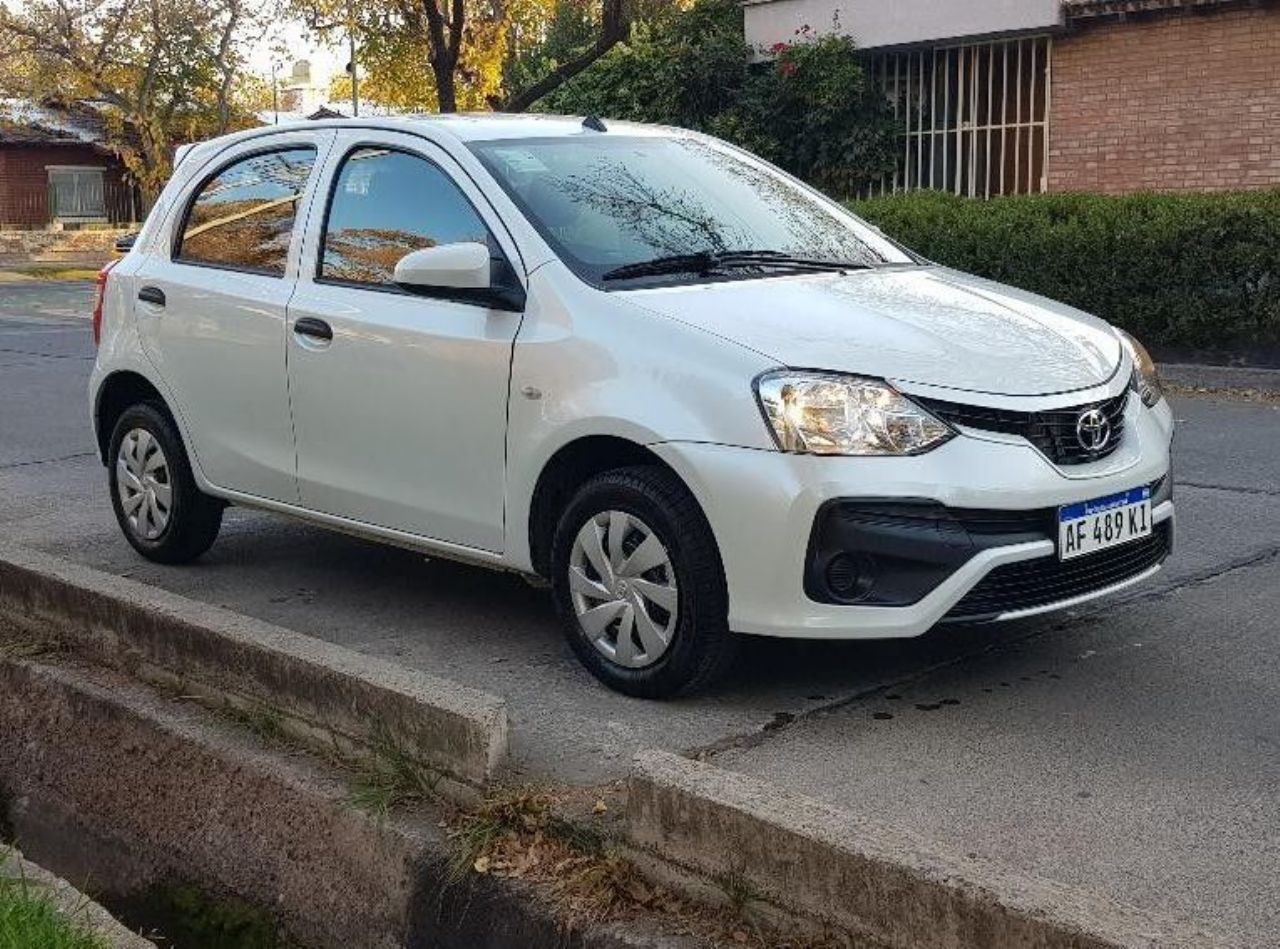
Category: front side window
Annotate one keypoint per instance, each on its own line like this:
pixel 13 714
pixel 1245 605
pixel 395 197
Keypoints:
pixel 387 204
pixel 608 203
pixel 242 218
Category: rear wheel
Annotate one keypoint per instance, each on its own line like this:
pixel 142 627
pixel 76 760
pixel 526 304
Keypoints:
pixel 639 584
pixel 162 513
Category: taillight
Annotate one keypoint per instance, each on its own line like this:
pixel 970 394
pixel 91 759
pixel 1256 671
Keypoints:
pixel 99 297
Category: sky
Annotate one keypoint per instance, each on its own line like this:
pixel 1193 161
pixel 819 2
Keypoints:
pixel 326 62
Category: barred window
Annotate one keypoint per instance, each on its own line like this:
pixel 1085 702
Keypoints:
pixel 974 117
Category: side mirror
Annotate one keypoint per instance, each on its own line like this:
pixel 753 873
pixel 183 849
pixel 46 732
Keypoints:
pixel 467 272
pixel 463 266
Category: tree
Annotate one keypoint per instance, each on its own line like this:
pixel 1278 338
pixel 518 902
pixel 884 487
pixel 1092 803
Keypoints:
pixel 615 23
pixel 813 110
pixel 394 45
pixel 542 36
pixel 471 46
pixel 395 38
pixel 165 71
pixel 678 67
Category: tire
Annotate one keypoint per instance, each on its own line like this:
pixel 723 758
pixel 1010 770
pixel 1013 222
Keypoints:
pixel 144 433
pixel 627 507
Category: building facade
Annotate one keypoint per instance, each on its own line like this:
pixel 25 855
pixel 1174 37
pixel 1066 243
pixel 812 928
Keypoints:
pixel 1020 96
pixel 55 169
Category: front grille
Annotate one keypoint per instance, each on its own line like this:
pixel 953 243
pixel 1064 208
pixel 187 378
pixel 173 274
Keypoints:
pixel 1045 580
pixel 1053 431
pixel 1002 524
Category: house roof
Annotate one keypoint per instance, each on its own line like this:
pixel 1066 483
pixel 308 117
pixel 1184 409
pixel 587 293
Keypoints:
pixel 26 122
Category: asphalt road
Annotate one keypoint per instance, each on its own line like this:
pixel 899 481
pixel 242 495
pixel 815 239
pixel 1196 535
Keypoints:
pixel 1132 747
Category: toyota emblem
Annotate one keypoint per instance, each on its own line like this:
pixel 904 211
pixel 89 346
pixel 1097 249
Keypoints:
pixel 1093 430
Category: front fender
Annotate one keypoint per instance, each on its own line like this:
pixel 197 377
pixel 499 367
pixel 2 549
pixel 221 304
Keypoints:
pixel 589 363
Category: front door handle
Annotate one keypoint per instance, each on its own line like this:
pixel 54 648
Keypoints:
pixel 314 328
pixel 152 295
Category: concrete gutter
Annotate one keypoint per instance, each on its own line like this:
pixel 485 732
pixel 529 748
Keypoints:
pixel 874 881
pixel 103 779
pixel 322 693
pixel 80 911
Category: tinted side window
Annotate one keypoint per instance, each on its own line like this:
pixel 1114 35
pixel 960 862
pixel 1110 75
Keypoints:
pixel 243 216
pixel 385 204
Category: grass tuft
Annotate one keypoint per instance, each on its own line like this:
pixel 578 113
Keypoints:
pixel 29 919
pixel 391 778
pixel 266 723
pixel 27 648
pixel 739 892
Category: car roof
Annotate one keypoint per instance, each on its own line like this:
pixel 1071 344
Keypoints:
pixel 460 127
pixel 478 126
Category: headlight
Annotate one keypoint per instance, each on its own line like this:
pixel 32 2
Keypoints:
pixel 822 414
pixel 1145 381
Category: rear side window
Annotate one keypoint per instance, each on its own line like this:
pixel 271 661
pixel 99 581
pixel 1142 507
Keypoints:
pixel 386 204
pixel 242 218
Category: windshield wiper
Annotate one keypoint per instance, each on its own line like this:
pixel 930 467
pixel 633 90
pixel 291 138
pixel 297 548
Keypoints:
pixel 705 262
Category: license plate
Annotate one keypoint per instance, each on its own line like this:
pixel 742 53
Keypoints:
pixel 1090 526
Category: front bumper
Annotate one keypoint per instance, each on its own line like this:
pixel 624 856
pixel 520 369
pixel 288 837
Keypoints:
pixel 763 507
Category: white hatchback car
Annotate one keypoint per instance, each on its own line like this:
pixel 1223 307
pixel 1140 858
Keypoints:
pixel 694 394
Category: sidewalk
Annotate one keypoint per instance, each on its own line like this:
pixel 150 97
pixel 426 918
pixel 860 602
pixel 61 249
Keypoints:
pixel 1200 376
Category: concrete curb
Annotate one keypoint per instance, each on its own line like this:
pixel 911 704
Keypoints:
pixel 331 692
pixel 105 780
pixel 1197 376
pixel 78 909
pixel 871 880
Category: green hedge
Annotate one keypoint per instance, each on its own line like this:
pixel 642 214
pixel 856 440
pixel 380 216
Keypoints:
pixel 1197 272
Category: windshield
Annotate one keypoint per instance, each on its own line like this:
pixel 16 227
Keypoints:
pixel 608 204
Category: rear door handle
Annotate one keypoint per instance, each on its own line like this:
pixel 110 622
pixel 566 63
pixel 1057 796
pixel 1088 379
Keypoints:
pixel 152 295
pixel 313 327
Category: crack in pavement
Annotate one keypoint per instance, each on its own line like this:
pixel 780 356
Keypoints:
pixel 1244 562
pixel 27 352
pixel 48 461
pixel 752 739
pixel 1228 487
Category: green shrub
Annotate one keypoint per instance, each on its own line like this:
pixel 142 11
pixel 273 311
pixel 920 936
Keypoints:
pixel 1182 272
pixel 812 109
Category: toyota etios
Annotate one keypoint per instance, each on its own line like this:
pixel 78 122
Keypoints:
pixel 695 395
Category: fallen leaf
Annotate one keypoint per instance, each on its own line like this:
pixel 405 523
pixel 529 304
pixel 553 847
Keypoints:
pixel 600 808
pixel 481 865
pixel 637 891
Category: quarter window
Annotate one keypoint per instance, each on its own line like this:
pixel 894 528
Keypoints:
pixel 386 204
pixel 242 219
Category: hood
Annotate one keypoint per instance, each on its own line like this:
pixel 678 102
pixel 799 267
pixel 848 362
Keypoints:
pixel 924 325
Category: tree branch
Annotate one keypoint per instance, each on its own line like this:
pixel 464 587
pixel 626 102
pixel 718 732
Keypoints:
pixel 615 23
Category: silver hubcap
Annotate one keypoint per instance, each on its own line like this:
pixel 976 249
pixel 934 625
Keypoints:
pixel 142 478
pixel 623 589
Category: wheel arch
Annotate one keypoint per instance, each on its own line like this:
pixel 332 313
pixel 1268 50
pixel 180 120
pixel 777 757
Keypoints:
pixel 117 392
pixel 572 465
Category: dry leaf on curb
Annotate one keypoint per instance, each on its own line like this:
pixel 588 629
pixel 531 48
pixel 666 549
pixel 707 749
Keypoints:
pixel 740 936
pixel 637 891
pixel 600 807
pixel 481 865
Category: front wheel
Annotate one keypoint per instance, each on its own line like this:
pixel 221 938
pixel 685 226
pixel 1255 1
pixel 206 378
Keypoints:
pixel 162 513
pixel 639 585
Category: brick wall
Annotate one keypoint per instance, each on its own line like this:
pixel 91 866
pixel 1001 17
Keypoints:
pixel 24 179
pixel 1183 102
